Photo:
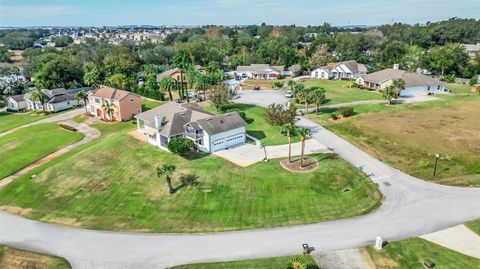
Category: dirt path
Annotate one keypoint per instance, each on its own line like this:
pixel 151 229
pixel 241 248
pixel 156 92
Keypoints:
pixel 90 134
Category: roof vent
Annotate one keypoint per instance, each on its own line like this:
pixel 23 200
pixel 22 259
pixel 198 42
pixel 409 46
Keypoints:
pixel 208 119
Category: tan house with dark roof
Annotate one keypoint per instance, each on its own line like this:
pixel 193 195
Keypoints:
pixel 210 133
pixel 415 83
pixel 124 104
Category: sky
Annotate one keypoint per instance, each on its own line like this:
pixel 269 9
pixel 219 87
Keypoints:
pixel 230 12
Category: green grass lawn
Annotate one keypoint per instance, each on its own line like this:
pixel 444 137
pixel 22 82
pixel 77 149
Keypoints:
pixel 415 132
pixel 26 145
pixel 10 120
pixel 268 263
pixel 148 104
pixel 460 88
pixel 86 188
pixel 257 126
pixel 12 258
pixel 337 92
pixel 411 253
pixel 474 226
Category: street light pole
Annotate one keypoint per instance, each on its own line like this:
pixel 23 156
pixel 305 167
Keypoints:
pixel 437 156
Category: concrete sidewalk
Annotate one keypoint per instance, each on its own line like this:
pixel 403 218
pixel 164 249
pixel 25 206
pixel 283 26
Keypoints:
pixel 248 154
pixel 342 259
pixel 458 238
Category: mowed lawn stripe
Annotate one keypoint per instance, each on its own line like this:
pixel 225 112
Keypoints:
pixel 27 145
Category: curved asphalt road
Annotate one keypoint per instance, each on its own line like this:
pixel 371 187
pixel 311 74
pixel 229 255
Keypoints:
pixel 411 207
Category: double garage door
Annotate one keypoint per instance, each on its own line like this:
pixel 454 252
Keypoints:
pixel 227 142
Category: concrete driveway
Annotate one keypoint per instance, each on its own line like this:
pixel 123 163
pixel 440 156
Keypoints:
pixel 261 97
pixel 248 154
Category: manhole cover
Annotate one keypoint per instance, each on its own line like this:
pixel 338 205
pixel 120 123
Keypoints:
pixel 387 183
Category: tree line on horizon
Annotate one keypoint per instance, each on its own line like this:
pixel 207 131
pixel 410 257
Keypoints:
pixel 434 46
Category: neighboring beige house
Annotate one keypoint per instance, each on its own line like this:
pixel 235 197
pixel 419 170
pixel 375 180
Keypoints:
pixel 471 49
pixel 176 73
pixel 415 83
pixel 125 104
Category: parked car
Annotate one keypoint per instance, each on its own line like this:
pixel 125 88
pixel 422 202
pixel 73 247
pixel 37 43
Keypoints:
pixel 289 94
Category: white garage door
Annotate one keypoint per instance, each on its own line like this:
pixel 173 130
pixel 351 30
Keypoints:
pixel 235 139
pixel 229 141
pixel 218 144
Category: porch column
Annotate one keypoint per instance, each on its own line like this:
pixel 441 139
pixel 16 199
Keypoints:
pixel 138 123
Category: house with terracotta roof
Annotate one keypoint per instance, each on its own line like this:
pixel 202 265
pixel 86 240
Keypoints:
pixel 210 133
pixel 342 70
pixel 176 73
pixel 416 84
pixel 124 104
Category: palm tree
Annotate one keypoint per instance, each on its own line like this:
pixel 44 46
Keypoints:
pixel 39 96
pixel 108 109
pixel 167 84
pixel 201 83
pixel 399 85
pixel 167 171
pixel 289 130
pixel 317 95
pixel 296 264
pixel 304 133
pixel 82 96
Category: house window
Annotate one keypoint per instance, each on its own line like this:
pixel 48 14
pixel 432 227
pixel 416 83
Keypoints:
pixel 97 100
pixel 68 103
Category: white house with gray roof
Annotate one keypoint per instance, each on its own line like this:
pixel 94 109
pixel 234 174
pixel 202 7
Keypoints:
pixel 210 133
pixel 416 84
pixel 262 71
pixel 16 103
pixel 57 99
pixel 342 70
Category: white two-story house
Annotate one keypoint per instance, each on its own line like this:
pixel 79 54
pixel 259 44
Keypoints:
pixel 210 133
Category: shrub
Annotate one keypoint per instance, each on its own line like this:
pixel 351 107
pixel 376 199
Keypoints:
pixel 345 111
pixel 449 78
pixel 278 115
pixel 278 84
pixel 352 85
pixel 181 146
pixel 279 76
pixel 473 80
pixel 68 127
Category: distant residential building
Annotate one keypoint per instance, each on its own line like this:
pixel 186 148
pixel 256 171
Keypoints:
pixel 342 70
pixel 16 103
pixel 210 133
pixel 262 71
pixel 57 99
pixel 471 49
pixel 176 73
pixel 124 104
pixel 415 83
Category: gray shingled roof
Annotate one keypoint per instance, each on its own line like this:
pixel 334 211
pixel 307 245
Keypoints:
pixel 411 79
pixel 18 98
pixel 174 115
pixel 259 68
pixel 221 123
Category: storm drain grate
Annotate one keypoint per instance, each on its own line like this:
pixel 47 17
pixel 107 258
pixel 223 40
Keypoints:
pixel 387 183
